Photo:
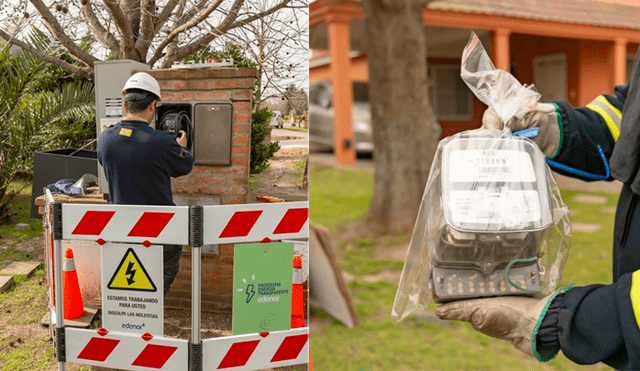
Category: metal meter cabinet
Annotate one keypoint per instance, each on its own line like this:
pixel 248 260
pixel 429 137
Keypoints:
pixel 208 127
pixel 195 226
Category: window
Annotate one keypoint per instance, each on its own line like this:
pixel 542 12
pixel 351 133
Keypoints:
pixel 630 58
pixel 550 76
pixel 450 97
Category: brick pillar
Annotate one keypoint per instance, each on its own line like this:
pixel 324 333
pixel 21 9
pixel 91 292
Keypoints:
pixel 223 183
pixel 234 85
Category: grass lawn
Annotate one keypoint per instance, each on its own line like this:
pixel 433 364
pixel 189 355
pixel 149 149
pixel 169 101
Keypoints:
pixel 295 128
pixel 21 214
pixel 340 197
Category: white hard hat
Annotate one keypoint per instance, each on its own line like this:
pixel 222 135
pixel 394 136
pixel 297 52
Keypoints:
pixel 143 81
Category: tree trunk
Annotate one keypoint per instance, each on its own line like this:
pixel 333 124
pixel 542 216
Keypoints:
pixel 405 129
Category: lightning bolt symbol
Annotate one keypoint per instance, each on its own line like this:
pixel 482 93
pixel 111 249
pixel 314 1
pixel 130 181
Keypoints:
pixel 132 272
pixel 250 292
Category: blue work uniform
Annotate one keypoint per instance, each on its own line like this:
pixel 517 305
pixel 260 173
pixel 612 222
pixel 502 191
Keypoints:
pixel 601 323
pixel 138 163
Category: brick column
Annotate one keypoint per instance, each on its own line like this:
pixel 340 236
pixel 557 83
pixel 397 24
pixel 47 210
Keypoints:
pixel 620 62
pixel 339 45
pixel 500 53
pixel 234 85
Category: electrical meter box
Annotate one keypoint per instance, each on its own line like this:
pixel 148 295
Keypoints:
pixel 110 78
pixel 497 206
pixel 207 125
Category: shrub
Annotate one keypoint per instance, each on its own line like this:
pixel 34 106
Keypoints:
pixel 32 119
pixel 261 153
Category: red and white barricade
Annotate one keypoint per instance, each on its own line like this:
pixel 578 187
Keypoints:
pixel 256 351
pixel 254 222
pixel 123 223
pixel 126 351
pixel 195 226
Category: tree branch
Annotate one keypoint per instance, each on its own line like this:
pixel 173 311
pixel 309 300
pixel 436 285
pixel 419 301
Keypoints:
pixel 133 15
pixel 147 28
pixel 166 13
pixel 58 31
pixel 247 20
pixel 206 39
pixel 86 71
pixel 122 23
pixel 190 13
pixel 104 37
pixel 173 45
pixel 178 30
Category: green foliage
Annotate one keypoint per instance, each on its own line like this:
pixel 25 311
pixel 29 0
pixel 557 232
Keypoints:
pixel 40 108
pixel 230 51
pixel 261 153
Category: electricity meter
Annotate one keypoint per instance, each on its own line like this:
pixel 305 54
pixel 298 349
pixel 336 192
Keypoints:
pixel 491 223
pixel 496 208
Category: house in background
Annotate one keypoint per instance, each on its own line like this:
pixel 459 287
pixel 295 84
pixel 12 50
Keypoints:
pixel 570 49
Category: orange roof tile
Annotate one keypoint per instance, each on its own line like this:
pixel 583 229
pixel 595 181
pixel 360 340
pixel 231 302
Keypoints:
pixel 586 12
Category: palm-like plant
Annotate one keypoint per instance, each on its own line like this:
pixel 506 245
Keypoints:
pixel 29 119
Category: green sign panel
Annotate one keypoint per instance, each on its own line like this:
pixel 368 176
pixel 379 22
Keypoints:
pixel 262 277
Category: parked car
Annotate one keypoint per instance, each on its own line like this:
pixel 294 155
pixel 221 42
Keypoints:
pixel 277 120
pixel 321 116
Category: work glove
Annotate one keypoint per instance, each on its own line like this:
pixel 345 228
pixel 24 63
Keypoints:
pixel 544 116
pixel 513 318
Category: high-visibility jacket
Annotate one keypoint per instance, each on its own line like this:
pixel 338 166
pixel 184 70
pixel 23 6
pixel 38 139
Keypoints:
pixel 601 323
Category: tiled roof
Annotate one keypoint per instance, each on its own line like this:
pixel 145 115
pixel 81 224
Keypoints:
pixel 587 12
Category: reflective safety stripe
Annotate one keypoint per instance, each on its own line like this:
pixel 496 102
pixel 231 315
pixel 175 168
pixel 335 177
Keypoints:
pixel 611 115
pixel 635 295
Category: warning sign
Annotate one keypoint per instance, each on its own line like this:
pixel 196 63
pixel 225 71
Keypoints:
pixel 132 282
pixel 131 275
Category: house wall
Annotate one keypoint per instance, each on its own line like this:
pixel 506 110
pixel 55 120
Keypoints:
pixel 589 63
pixel 524 48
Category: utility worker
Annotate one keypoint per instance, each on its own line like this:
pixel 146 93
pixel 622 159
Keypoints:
pixel 139 161
pixel 596 323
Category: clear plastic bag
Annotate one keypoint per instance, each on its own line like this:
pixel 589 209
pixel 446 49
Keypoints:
pixel 491 220
pixel 498 89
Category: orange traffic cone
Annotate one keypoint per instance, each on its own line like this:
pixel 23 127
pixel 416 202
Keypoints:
pixel 297 294
pixel 73 306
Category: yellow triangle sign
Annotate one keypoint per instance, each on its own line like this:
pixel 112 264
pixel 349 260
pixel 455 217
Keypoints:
pixel 131 275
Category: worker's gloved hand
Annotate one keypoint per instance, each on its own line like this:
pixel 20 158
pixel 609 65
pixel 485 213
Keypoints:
pixel 182 140
pixel 543 116
pixel 508 318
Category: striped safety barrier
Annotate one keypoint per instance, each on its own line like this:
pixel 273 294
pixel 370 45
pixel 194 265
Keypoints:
pixel 123 223
pixel 126 351
pixel 254 222
pixel 195 226
pixel 256 351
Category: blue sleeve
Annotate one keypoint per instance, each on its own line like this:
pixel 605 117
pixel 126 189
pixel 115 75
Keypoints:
pixel 598 323
pixel 585 129
pixel 179 160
